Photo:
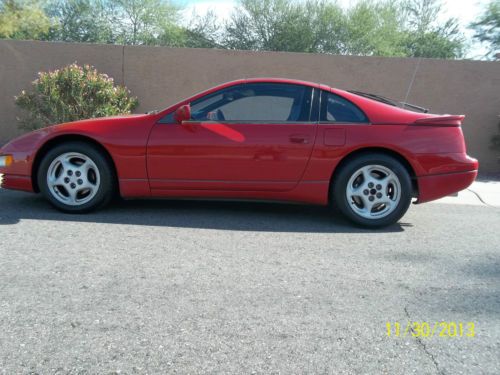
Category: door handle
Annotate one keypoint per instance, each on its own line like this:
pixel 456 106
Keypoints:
pixel 299 138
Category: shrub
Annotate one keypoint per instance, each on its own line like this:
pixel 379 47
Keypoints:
pixel 495 140
pixel 72 93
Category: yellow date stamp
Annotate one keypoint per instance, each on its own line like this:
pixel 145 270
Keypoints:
pixel 431 329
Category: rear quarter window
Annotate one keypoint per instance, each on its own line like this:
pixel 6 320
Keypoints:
pixel 335 108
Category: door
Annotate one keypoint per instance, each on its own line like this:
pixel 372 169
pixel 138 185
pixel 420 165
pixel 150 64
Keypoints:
pixel 254 136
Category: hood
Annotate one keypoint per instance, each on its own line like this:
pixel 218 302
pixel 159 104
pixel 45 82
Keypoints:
pixel 105 120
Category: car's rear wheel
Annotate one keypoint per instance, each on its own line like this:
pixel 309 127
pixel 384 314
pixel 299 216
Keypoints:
pixel 373 190
pixel 76 177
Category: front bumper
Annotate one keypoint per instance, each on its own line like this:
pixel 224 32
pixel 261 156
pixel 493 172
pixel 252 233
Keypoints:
pixel 16 182
pixel 15 168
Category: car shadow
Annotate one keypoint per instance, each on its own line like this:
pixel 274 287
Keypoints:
pixel 211 214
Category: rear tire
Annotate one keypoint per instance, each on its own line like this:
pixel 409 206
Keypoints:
pixel 76 177
pixel 372 190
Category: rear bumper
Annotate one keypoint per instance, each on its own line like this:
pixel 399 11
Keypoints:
pixel 439 186
pixel 441 164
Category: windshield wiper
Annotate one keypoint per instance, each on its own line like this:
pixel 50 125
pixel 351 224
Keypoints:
pixel 378 98
pixel 418 108
pixel 394 103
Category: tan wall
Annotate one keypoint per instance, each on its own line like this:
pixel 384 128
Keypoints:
pixel 162 76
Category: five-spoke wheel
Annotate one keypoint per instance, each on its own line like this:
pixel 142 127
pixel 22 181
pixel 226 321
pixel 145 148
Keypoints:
pixel 76 177
pixel 73 178
pixel 372 189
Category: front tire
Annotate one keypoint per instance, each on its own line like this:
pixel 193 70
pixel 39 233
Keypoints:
pixel 372 190
pixel 76 177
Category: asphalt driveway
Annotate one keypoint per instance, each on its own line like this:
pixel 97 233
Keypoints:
pixel 222 287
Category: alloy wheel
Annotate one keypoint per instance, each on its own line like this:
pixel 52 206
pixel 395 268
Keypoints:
pixel 373 191
pixel 73 178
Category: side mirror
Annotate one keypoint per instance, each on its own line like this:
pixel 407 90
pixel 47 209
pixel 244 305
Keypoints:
pixel 183 113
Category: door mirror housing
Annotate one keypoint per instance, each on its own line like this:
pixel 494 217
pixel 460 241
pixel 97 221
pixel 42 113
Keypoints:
pixel 183 113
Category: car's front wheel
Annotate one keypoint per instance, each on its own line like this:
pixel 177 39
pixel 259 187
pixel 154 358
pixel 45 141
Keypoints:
pixel 373 190
pixel 76 177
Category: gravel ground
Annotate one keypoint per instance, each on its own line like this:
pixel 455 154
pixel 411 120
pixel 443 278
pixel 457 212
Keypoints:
pixel 218 287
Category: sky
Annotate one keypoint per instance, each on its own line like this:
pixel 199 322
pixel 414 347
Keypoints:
pixel 466 11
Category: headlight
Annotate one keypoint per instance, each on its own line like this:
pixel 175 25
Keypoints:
pixel 5 160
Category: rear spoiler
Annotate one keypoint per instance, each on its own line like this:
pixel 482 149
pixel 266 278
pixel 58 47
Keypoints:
pixel 444 120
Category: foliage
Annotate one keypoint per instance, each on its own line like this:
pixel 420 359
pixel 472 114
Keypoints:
pixel 72 93
pixel 312 26
pixel 85 21
pixel 23 20
pixel 383 28
pixel 433 44
pixel 495 140
pixel 425 36
pixel 369 27
pixel 142 21
pixel 373 29
pixel 203 32
pixel 132 22
pixel 488 27
pixel 271 25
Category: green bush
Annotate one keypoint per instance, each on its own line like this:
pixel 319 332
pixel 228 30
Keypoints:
pixel 72 93
pixel 495 140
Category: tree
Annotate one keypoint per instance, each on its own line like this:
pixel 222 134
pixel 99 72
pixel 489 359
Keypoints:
pixel 328 22
pixel 265 25
pixel 373 28
pixel 488 27
pixel 204 31
pixel 144 21
pixel 150 22
pixel 23 20
pixel 368 28
pixel 280 25
pixel 87 21
pixel 383 28
pixel 426 36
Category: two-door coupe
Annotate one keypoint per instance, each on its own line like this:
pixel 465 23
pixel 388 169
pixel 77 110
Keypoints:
pixel 266 139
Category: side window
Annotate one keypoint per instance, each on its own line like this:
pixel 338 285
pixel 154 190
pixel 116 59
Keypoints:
pixel 334 108
pixel 255 102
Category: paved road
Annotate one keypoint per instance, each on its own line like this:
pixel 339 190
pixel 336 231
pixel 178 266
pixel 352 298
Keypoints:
pixel 207 287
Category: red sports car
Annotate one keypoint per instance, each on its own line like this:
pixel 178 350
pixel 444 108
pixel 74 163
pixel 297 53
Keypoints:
pixel 266 139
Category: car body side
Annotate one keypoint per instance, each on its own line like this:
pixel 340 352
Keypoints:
pixel 434 155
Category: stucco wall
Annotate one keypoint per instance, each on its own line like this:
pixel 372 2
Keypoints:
pixel 162 76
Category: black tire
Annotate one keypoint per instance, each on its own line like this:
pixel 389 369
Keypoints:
pixel 105 191
pixel 341 179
